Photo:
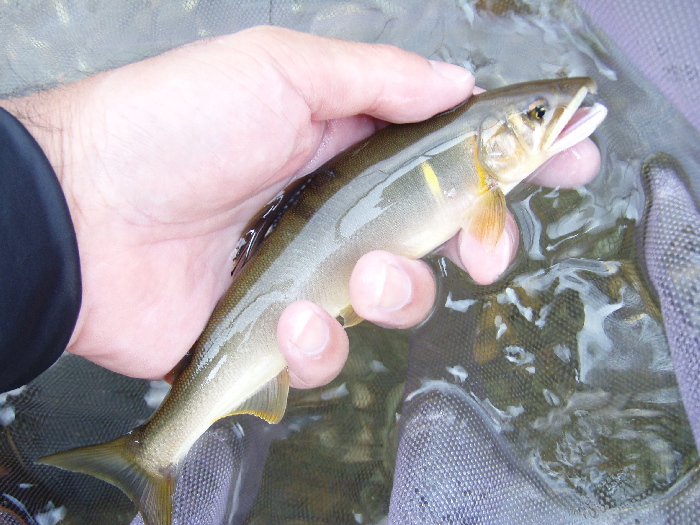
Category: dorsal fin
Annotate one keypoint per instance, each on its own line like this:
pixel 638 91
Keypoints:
pixel 264 221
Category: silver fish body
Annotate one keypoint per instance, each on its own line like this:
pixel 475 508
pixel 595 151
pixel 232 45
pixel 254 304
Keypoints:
pixel 407 190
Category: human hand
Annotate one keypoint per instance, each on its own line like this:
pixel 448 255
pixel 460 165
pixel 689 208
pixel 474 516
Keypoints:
pixel 164 161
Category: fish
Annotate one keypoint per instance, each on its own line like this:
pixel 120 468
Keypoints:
pixel 406 189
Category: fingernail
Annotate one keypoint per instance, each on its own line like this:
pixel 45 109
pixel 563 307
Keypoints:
pixel 451 72
pixel 311 334
pixel 393 288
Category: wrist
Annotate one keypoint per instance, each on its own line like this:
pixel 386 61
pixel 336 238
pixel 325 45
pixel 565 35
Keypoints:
pixel 46 121
pixel 40 265
pixel 47 117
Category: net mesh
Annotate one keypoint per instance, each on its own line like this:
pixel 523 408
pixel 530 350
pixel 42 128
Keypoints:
pixel 567 391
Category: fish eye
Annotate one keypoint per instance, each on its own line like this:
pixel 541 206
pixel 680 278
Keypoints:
pixel 537 110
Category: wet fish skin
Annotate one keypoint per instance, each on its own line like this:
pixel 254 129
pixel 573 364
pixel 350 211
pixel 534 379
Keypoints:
pixel 407 189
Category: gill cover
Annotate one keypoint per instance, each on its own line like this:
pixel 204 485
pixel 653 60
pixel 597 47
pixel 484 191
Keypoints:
pixel 520 134
pixel 525 125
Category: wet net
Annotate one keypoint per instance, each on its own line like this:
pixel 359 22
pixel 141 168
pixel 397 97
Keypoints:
pixel 566 392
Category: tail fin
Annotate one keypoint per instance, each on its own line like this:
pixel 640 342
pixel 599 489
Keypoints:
pixel 115 463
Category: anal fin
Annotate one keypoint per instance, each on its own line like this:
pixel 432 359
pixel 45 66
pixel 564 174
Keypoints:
pixel 270 402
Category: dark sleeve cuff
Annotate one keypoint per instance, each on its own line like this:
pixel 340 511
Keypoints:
pixel 40 286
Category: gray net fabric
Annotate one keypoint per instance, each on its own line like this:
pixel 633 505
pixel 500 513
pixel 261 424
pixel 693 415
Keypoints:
pixel 672 247
pixel 567 392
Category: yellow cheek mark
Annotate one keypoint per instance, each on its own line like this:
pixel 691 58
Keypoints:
pixel 431 180
pixel 483 178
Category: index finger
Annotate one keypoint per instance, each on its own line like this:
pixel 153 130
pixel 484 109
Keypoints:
pixel 340 79
pixel 573 167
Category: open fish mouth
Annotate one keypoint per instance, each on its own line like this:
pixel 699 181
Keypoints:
pixel 575 122
pixel 582 123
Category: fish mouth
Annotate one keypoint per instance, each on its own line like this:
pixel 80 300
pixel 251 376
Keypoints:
pixel 582 123
pixel 574 123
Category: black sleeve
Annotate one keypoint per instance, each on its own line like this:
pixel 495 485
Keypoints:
pixel 40 286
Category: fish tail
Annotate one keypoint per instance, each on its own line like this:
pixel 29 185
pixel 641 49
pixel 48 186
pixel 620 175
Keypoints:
pixel 116 463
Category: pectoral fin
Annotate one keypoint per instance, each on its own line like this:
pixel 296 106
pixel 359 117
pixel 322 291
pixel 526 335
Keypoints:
pixel 350 317
pixel 487 217
pixel 270 402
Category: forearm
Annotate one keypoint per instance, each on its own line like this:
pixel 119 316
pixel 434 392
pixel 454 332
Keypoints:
pixel 40 286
